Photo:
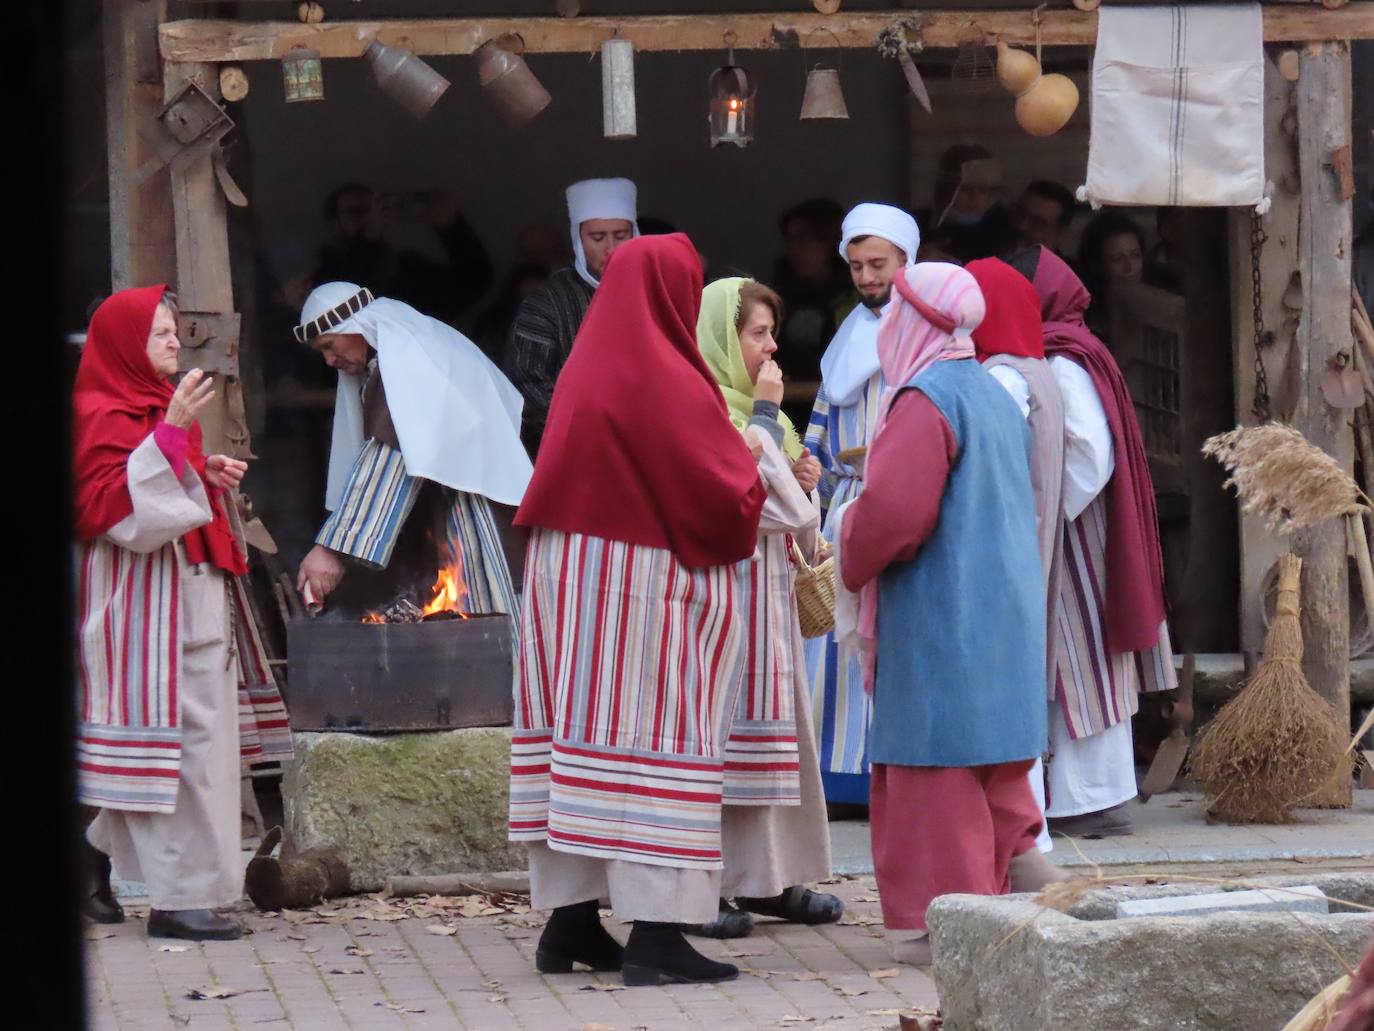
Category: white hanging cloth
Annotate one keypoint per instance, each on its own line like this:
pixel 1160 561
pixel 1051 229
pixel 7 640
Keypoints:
pixel 1177 106
pixel 457 417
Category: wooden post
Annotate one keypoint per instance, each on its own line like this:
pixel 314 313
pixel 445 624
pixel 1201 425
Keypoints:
pixel 1323 102
pixel 202 261
pixel 141 243
pixel 1259 547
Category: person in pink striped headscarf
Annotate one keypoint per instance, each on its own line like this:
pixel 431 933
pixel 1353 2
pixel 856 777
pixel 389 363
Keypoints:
pixel 942 548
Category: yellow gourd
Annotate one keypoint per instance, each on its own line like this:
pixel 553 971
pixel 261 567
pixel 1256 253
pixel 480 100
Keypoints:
pixel 1044 103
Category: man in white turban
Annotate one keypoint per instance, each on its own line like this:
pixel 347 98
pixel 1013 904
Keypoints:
pixel 877 240
pixel 417 402
pixel 602 214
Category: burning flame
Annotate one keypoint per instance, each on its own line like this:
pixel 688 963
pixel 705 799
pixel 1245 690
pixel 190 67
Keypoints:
pixel 374 617
pixel 450 590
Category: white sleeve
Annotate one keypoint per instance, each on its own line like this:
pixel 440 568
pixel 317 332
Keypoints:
pixel 1015 385
pixel 165 506
pixel 1088 457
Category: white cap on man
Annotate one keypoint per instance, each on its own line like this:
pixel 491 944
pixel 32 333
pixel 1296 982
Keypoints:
pixel 599 198
pixel 884 221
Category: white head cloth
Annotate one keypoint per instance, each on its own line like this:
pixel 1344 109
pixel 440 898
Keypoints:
pixel 456 416
pixel 852 357
pixel 599 198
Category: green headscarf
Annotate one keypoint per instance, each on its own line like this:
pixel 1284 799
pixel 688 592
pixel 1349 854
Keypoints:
pixel 718 339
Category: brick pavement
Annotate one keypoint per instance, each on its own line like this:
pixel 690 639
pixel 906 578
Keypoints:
pixel 353 970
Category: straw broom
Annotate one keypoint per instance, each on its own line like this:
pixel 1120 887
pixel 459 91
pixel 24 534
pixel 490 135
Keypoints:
pixel 1278 743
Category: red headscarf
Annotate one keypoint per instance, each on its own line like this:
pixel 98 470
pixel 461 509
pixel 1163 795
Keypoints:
pixel 1135 568
pixel 119 400
pixel 638 446
pixel 1012 323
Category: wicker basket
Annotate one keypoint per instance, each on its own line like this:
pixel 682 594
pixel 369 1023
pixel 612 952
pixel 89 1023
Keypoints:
pixel 815 595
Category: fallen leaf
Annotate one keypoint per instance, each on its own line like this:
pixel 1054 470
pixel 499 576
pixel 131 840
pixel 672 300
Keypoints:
pixel 358 950
pixel 95 934
pixel 749 950
pixel 865 898
pixel 496 998
pixel 219 992
pixel 808 975
pixel 298 937
pixel 599 987
pixel 347 970
pixel 794 1019
pixel 174 948
pixel 440 929
pixel 396 1007
pixel 886 972
pixel 310 950
pixel 884 1013
pixel 757 973
pixel 597 1027
pixel 849 990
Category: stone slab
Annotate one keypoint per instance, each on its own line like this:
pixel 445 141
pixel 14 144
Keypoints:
pixel 1010 964
pixel 405 804
pixel 1302 898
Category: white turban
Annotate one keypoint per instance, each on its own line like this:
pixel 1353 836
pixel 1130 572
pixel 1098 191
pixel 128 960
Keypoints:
pixel 599 198
pixel 882 220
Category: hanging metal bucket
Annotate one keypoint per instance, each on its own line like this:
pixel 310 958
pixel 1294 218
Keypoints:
pixel 507 79
pixel 405 78
pixel 823 97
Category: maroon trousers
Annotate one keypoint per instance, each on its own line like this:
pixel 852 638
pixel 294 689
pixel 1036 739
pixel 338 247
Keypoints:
pixel 941 830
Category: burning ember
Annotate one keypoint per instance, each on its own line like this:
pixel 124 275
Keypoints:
pixel 450 593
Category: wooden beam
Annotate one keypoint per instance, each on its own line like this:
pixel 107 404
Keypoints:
pixel 215 41
pixel 141 246
pixel 1323 101
pixel 203 275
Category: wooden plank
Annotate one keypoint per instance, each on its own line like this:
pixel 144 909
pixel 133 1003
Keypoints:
pixel 141 242
pixel 218 40
pixel 1323 101
pixel 202 252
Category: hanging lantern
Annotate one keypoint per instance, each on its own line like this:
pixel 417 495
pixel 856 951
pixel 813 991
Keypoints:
pixel 618 89
pixel 405 78
pixel 732 105
pixel 302 75
pixel 507 79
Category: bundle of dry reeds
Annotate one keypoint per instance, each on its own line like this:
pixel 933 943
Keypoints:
pixel 1280 476
pixel 1277 743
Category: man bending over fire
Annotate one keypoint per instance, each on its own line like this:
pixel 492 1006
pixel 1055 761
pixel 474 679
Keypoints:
pixel 417 401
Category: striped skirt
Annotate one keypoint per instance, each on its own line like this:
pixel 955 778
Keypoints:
pixel 1095 688
pixel 761 764
pixel 629 666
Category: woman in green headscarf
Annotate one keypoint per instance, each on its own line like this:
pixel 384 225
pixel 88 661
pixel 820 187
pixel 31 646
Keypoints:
pixel 774 836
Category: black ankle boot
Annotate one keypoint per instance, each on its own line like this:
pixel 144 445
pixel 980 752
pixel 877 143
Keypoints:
pixel 574 935
pixel 99 904
pixel 659 954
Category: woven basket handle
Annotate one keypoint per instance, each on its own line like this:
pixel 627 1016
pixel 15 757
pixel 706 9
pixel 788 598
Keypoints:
pixel 802 564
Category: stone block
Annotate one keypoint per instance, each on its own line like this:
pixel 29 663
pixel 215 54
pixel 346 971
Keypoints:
pixel 1302 898
pixel 405 804
pixel 1009 964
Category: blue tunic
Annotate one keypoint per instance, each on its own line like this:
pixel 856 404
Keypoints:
pixel 961 627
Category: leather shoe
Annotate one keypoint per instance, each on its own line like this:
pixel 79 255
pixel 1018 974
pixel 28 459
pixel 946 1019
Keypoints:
pixel 195 925
pixel 100 906
pixel 1106 823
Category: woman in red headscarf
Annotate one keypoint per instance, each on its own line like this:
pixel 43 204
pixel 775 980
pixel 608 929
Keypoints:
pixel 644 497
pixel 174 684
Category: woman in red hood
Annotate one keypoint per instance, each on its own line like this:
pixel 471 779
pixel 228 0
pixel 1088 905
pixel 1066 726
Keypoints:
pixel 174 684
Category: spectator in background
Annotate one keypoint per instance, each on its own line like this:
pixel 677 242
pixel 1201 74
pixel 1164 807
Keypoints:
pixel 971 219
pixel 1043 214
pixel 814 283
pixel 1164 267
pixel 1112 253
pixel 358 248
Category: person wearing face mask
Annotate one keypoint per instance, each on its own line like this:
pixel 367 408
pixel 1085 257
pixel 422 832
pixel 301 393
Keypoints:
pixel 602 215
pixel 971 219
pixel 417 402
pixel 774 838
pixel 877 240
pixel 174 690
